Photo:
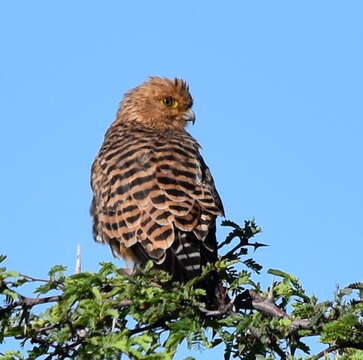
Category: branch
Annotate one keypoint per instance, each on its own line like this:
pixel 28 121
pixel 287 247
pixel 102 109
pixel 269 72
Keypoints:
pixel 250 299
pixel 145 328
pixel 301 324
pixel 37 301
pixel 29 302
pixel 326 351
pixel 266 305
pixel 123 303
pixel 26 301
pixel 31 278
pixel 34 279
pixel 231 252
pixel 344 345
pixel 222 310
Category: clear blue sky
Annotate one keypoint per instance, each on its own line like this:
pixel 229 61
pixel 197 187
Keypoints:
pixel 278 90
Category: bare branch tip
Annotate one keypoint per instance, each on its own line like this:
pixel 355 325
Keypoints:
pixel 78 268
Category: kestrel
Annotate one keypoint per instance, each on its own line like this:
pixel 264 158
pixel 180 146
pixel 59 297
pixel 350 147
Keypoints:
pixel 154 196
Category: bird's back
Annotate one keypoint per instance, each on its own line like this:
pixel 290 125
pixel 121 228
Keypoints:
pixel 154 198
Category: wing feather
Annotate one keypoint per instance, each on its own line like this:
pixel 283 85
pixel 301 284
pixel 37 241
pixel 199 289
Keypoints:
pixel 148 186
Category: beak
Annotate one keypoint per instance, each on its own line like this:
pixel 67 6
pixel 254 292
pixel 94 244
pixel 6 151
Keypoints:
pixel 189 116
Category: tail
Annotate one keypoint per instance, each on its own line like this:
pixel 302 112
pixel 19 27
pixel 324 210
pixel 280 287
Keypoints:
pixel 185 259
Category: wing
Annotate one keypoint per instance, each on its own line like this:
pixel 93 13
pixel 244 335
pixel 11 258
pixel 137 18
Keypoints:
pixel 154 196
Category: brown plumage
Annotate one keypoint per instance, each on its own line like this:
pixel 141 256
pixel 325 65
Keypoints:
pixel 154 197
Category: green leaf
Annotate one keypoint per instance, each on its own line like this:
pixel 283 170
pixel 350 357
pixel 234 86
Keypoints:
pixel 8 274
pixel 243 324
pixel 56 272
pixel 144 341
pixel 11 294
pixel 341 330
pixel 252 264
pixel 97 294
pixel 12 355
pixel 278 273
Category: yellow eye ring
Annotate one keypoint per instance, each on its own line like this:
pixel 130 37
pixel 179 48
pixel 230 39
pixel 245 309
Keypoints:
pixel 169 102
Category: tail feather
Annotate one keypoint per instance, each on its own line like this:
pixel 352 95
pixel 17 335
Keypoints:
pixel 184 261
pixel 186 257
pixel 183 258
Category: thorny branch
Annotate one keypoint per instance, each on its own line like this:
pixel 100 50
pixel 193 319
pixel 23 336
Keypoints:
pixel 249 299
pixel 241 245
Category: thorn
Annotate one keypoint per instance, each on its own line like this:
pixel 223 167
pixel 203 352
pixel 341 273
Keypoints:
pixel 78 260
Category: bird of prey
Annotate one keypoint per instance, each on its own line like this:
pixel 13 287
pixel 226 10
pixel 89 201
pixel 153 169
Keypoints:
pixel 154 196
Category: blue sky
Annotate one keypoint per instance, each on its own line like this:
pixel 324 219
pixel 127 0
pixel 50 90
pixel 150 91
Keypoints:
pixel 278 92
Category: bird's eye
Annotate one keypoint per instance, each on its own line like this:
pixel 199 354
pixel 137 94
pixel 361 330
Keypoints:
pixel 170 102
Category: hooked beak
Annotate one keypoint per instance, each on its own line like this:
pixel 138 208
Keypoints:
pixel 189 116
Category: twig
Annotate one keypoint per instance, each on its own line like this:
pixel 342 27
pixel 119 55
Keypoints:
pixel 145 328
pixel 266 305
pixel 344 345
pixel 47 328
pixel 250 299
pixel 300 324
pixel 33 278
pixel 326 351
pixel 241 244
pixel 123 303
pixel 220 311
pixel 231 252
pixel 37 301
pixel 270 296
pixel 26 301
pixel 78 260
pixel 159 323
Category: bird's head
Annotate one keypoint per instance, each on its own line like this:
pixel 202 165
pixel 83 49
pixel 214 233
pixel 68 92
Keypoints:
pixel 159 103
